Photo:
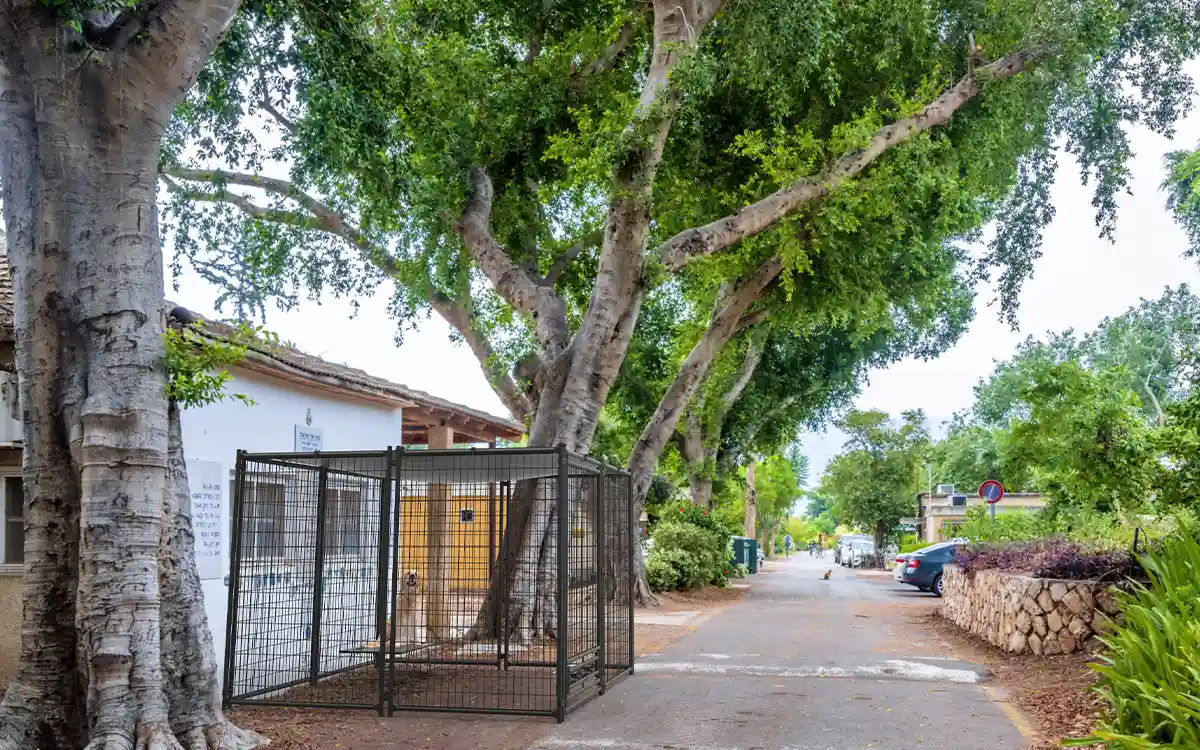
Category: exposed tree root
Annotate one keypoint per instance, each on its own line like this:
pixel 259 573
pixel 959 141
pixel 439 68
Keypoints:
pixel 643 596
pixel 223 736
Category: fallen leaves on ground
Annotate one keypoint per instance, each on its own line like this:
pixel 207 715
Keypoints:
pixel 1054 692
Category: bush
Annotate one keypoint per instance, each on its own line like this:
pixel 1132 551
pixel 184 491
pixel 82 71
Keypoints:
pixel 1015 526
pixel 694 545
pixel 675 569
pixel 685 512
pixel 708 551
pixel 1149 677
pixel 660 574
pixel 914 546
pixel 1051 558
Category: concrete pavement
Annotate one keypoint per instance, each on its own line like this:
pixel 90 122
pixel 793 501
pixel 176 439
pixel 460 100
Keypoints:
pixel 800 664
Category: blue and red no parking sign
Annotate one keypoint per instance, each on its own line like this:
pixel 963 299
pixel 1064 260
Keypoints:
pixel 991 491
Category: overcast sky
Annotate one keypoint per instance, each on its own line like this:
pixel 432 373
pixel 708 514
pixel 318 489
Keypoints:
pixel 1079 280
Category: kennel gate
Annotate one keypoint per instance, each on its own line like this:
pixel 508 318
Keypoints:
pixel 429 580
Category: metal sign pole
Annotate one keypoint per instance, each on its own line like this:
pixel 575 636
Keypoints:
pixel 991 492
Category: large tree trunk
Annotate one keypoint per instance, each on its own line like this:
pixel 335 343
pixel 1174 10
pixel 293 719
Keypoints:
pixel 114 650
pixel 751 503
pixel 702 490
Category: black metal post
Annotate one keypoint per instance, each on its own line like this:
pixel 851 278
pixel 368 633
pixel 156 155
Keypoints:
pixel 381 581
pixel 631 524
pixel 601 571
pixel 394 589
pixel 502 593
pixel 563 671
pixel 235 565
pixel 492 562
pixel 314 667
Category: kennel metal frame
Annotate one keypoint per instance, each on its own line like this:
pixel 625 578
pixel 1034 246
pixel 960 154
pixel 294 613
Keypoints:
pixel 266 663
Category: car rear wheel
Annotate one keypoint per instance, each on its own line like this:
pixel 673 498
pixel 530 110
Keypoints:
pixel 937 585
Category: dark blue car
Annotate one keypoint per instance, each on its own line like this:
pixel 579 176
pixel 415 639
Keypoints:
pixel 924 567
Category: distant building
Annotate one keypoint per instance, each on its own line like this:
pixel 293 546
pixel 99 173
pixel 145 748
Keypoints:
pixel 940 512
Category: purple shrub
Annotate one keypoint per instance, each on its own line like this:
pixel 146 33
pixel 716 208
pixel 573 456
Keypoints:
pixel 1051 558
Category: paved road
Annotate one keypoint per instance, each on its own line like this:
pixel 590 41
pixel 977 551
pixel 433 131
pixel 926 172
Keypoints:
pixel 800 664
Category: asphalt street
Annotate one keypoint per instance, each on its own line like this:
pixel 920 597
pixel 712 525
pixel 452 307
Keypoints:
pixel 800 664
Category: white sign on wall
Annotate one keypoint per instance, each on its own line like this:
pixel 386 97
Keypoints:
pixel 308 439
pixel 208 503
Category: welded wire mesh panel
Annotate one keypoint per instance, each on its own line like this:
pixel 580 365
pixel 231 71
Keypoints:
pixel 475 563
pixel 583 629
pixel 305 580
pixel 439 580
pixel 618 574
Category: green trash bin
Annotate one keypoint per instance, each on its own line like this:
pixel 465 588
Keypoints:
pixel 745 552
pixel 739 551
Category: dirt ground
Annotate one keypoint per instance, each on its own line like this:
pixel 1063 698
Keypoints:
pixel 1053 692
pixel 315 729
pixel 652 639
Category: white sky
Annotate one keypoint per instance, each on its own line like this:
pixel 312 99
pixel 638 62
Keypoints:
pixel 1079 280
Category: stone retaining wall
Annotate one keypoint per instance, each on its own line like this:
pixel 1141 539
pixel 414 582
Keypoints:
pixel 1022 614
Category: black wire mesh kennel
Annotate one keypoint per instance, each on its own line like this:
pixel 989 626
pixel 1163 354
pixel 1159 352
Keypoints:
pixel 429 580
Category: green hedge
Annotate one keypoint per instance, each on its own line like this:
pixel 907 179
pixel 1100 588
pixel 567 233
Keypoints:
pixel 691 548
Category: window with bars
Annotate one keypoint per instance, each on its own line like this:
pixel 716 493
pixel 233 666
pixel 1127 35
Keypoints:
pixel 343 521
pixel 14 521
pixel 265 524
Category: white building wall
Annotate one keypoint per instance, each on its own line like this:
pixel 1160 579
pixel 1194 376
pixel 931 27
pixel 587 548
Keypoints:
pixel 217 431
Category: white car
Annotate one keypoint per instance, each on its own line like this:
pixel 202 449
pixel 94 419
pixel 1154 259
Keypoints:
pixel 860 553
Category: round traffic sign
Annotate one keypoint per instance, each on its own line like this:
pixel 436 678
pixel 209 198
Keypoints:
pixel 992 491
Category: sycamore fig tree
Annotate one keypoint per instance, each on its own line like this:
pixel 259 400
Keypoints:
pixel 115 647
pixel 873 482
pixel 531 171
pixel 774 379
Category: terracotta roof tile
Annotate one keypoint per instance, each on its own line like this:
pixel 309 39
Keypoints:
pixel 294 358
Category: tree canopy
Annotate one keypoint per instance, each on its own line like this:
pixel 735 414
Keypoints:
pixel 1101 421
pixel 873 483
pixel 834 122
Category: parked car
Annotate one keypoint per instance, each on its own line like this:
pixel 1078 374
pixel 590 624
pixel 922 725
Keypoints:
pixel 901 561
pixel 843 543
pixel 860 553
pixel 924 567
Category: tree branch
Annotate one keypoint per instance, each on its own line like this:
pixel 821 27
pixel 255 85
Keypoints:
pixel 699 242
pixel 268 107
pixel 607 325
pixel 515 284
pixel 324 219
pixel 692 372
pixel 179 37
pixel 461 317
pixel 564 259
pixel 745 371
pixel 749 320
pixel 608 59
pixel 247 206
